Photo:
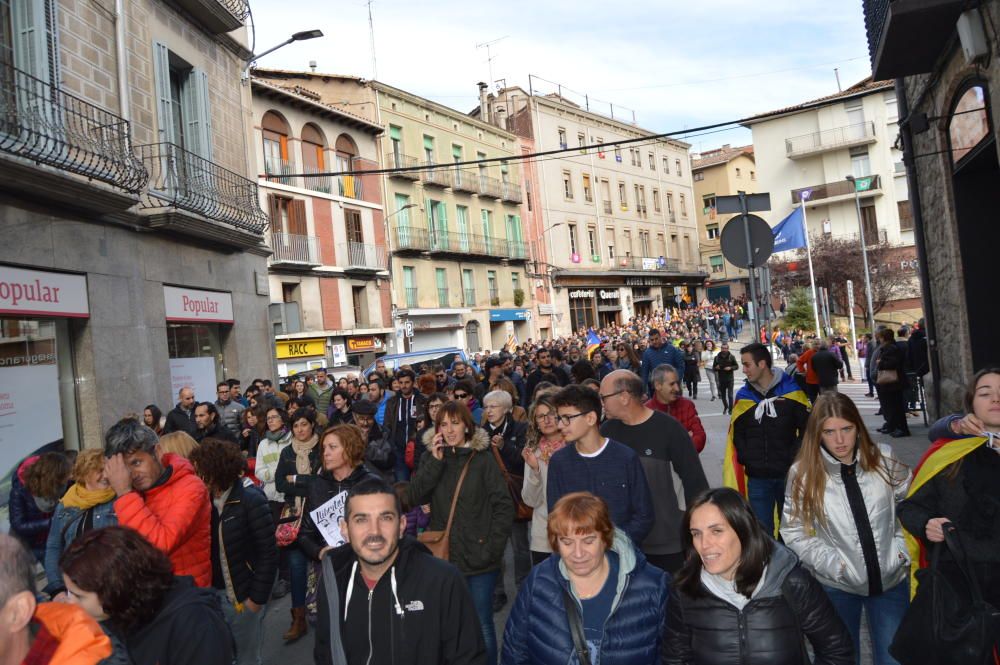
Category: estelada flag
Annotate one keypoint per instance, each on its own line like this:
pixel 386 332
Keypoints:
pixel 593 342
pixel 733 474
pixel 942 454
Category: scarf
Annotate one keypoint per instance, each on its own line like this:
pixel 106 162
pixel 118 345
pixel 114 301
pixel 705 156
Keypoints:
pixel 548 447
pixel 78 496
pixel 276 436
pixel 302 450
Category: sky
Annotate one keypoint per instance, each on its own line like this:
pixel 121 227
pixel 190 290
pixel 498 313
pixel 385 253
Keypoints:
pixel 676 65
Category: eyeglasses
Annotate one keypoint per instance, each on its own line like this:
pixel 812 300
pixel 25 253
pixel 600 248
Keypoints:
pixel 272 418
pixel 607 397
pixel 547 417
pixel 461 395
pixel 566 420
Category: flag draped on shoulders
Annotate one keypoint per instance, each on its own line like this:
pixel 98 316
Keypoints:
pixel 593 342
pixel 942 454
pixel 747 398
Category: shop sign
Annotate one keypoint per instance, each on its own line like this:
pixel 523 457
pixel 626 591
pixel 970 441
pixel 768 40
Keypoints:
pixel 511 314
pixel 195 306
pixel 37 293
pixel 582 293
pixel 608 295
pixel 363 344
pixel 300 348
pixel 643 281
pixel 650 263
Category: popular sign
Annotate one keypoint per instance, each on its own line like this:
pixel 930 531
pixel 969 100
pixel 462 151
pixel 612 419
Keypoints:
pixel 33 292
pixel 192 305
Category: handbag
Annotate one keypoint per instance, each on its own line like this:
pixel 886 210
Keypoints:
pixel 946 625
pixel 289 524
pixel 522 511
pixel 886 376
pixel 576 628
pixel 437 541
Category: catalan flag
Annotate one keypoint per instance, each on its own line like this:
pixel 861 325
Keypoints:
pixel 593 342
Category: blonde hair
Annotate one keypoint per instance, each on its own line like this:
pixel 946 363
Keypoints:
pixel 87 462
pixel 178 443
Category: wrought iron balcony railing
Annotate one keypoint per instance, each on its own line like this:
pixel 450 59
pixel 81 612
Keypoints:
pixel 349 186
pixel 276 170
pixel 607 207
pixel 395 160
pixel 830 139
pixel 489 187
pixel 294 248
pixel 464 180
pixel 469 296
pixel 443 297
pixel 362 255
pixel 183 180
pixel 409 238
pixel 217 15
pixel 439 177
pixel 411 296
pixel 40 122
pixel 511 192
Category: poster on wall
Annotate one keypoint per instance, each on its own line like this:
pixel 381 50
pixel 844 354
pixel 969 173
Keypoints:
pixel 199 373
pixel 29 396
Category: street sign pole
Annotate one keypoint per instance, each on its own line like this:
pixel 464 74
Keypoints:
pixel 752 311
pixel 854 333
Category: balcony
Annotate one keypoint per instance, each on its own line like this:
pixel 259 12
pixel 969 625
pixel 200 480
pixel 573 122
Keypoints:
pixel 495 297
pixel 362 257
pixel 607 207
pixel 218 16
pixel 837 138
pixel 395 160
pixel 833 192
pixel 465 181
pixel 517 250
pixel 443 297
pixel 410 294
pixel 292 249
pixel 278 170
pixel 439 177
pixel 489 187
pixel 409 239
pixel 905 37
pixel 469 297
pixel 646 263
pixel 192 195
pixel 349 186
pixel 511 192
pixel 41 124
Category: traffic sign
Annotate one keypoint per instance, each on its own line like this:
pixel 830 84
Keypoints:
pixel 408 326
pixel 730 204
pixel 734 241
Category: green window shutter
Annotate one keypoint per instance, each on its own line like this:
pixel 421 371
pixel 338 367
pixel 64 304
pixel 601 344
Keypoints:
pixel 161 74
pixel 442 218
pixel 198 113
pixel 408 281
pixel 395 133
pixel 428 142
pixel 442 278
pixel 404 215
pixel 486 222
pixel 509 219
pixel 32 38
pixel 429 211
pixel 517 229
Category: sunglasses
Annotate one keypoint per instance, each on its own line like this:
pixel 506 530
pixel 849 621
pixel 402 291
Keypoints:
pixel 461 395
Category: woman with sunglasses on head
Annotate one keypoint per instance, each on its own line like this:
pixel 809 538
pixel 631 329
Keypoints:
pixel 544 439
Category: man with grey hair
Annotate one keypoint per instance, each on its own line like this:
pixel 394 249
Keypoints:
pixel 41 633
pixel 507 439
pixel 161 497
pixel 664 448
pixel 667 398
pixel 181 417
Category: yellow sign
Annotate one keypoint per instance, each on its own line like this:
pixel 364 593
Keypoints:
pixel 300 348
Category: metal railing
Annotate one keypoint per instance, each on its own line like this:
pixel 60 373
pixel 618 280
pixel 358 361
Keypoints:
pixel 489 187
pixel 238 8
pixel 410 238
pixel 411 296
pixel 607 207
pixel 494 297
pixel 436 177
pixel 443 297
pixel 40 122
pixel 183 180
pixel 349 186
pixel 464 180
pixel 469 296
pixel 395 160
pixel 829 139
pixel 881 237
pixel 647 263
pixel 362 255
pixel 831 189
pixel 276 170
pixel 517 249
pixel 511 191
pixel 319 183
pixel 294 248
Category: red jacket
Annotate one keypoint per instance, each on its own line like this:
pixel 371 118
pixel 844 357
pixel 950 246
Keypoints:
pixel 80 641
pixel 804 364
pixel 686 412
pixel 175 517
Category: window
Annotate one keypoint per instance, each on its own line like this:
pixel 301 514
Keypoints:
pixel 652 162
pixel 860 164
pixel 686 248
pixel 891 108
pixel 567 185
pixel 410 286
pixel 618 154
pixel 360 303
pixel 428 149
pixel 708 205
pixel 456 153
pixel 402 212
pixel 644 242
pixel 588 193
pixel 661 244
pixel 606 196
pixel 313 158
pixel 486 218
pixel 670 205
pixel 504 173
pixel 633 156
pixel 468 288
pixel 592 242
pixel 437 223
pixel 622 201
pixel 515 281
pixel 562 138
pixel 572 238
pixel 441 277
pixel 352 221
pixel 753 175
pixel 581 140
pixel 581 313
pixel 869 223
pixel 717 263
pixel 491 284
pixel 677 166
pixel 855 117
pixel 28 39
pixel 274 134
pixel 627 245
pixel 683 204
pixel 699 176
pixel 712 231
pixel 609 233
pixel 396 143
pixel 184 116
pixel 738 175
pixel 666 165
pixel 462 224
pixel 288 218
pixel 656 200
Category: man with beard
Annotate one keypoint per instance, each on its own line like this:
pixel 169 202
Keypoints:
pixel 545 366
pixel 385 598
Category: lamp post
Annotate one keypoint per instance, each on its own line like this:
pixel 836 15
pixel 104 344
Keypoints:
pixel 297 37
pixel 388 259
pixel 864 253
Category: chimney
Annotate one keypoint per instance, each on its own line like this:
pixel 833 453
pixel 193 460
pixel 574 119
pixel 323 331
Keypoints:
pixel 483 111
pixel 312 65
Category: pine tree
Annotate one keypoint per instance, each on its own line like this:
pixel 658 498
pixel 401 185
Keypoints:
pixel 799 311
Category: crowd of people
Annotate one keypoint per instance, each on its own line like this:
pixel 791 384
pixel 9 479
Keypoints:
pixel 383 505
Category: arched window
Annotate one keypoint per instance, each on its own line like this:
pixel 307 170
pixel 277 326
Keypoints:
pixel 347 152
pixel 969 122
pixel 314 158
pixel 275 132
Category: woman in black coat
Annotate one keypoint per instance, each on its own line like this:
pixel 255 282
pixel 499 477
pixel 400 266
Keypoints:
pixel 892 395
pixel 743 599
pixel 692 375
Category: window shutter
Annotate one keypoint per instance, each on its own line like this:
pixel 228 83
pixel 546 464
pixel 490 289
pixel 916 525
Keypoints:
pixel 443 220
pixel 161 72
pixel 274 211
pixel 297 217
pixel 395 133
pixel 31 38
pixel 198 113
pixel 517 228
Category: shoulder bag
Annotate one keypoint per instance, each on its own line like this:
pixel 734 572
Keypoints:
pixel 946 625
pixel 576 628
pixel 289 524
pixel 437 541
pixel 522 511
pixel 886 376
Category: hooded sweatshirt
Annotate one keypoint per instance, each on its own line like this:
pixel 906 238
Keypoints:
pixel 80 639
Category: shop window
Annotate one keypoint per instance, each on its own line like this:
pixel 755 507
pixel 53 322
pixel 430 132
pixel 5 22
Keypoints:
pixel 581 313
pixel 969 124
pixel 195 352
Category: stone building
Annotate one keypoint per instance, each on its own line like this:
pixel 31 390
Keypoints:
pixel 942 56
pixel 132 260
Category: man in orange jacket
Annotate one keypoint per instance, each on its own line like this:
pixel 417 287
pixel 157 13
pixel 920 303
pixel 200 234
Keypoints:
pixel 161 498
pixel 805 366
pixel 46 633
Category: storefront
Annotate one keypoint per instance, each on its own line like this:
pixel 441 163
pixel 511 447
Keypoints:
pixel 609 307
pixel 37 379
pixel 299 355
pixel 363 350
pixel 197 323
pixel 431 328
pixel 509 327
pixel 582 308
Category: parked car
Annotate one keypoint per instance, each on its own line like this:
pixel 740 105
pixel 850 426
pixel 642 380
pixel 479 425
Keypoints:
pixel 416 358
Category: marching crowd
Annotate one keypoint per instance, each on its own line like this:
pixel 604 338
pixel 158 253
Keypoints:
pixel 384 504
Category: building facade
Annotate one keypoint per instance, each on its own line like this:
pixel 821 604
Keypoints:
pixel 724 171
pixel 133 260
pixel 618 227
pixel 328 272
pixel 806 153
pixel 942 57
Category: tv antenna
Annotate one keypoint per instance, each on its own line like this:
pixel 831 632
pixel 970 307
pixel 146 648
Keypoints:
pixel 489 55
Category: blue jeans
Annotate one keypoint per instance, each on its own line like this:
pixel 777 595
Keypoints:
pixel 884 613
pixel 481 587
pixel 766 495
pixel 402 471
pixel 298 573
pixel 247 630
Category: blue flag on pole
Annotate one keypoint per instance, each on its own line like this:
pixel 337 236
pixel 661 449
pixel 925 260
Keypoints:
pixel 790 232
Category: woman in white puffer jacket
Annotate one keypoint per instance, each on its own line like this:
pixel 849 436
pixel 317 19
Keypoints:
pixel 840 518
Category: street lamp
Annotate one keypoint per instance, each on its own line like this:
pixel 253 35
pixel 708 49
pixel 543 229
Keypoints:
pixel 864 254
pixel 297 37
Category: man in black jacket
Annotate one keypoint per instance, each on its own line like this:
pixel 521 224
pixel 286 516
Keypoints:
pixel 181 417
pixel 206 417
pixel 545 366
pixel 400 424
pixel 826 365
pixel 385 599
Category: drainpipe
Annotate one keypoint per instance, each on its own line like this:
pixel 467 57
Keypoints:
pixel 918 237
pixel 121 67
